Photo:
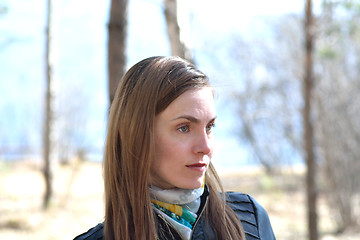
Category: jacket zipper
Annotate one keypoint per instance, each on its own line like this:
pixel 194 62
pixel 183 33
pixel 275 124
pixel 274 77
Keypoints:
pixel 198 218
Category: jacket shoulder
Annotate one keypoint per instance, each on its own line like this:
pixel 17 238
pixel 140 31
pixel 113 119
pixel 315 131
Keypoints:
pixel 95 233
pixel 253 216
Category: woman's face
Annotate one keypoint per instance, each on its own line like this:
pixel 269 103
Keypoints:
pixel 184 140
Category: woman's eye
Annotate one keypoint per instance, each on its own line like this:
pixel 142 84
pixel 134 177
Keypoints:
pixel 210 126
pixel 184 129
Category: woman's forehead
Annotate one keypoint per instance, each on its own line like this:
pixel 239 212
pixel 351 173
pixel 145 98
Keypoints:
pixel 197 103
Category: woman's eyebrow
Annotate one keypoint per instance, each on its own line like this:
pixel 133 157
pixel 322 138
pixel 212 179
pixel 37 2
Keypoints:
pixel 191 118
pixel 187 117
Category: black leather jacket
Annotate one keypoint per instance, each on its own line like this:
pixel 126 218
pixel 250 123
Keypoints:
pixel 254 219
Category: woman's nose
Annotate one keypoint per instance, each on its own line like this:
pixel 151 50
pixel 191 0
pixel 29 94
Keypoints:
pixel 204 144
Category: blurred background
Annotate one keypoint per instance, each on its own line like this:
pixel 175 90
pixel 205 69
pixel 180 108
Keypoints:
pixel 286 79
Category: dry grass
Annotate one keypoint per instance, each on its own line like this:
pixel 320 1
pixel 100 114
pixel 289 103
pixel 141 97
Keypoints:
pixel 77 204
pixel 78 201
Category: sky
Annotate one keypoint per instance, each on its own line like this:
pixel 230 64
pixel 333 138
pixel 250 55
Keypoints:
pixel 79 58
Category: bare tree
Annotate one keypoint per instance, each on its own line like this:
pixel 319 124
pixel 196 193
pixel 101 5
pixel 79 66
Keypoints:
pixel 48 120
pixel 178 48
pixel 117 44
pixel 309 145
pixel 337 100
pixel 269 98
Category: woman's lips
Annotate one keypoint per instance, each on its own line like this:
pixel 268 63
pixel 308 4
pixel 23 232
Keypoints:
pixel 200 167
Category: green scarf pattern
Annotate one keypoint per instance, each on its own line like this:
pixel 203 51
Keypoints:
pixel 176 212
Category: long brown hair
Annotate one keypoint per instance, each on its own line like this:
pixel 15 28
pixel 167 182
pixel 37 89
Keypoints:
pixel 146 90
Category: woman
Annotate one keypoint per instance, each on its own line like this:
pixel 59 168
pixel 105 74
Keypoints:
pixel 159 181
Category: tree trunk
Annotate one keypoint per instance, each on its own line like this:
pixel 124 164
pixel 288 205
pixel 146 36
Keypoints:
pixel 308 124
pixel 117 44
pixel 48 122
pixel 178 48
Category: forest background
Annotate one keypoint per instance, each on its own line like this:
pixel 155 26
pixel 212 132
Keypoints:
pixel 254 54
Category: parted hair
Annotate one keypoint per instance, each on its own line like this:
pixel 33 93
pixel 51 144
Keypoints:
pixel 146 90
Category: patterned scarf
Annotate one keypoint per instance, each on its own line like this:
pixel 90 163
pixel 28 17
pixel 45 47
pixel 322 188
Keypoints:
pixel 178 206
pixel 177 213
